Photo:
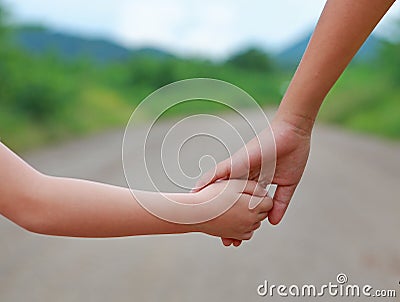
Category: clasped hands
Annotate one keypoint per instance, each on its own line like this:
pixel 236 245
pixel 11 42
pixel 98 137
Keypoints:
pixel 291 150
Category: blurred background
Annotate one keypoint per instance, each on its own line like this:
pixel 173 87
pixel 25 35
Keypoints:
pixel 68 69
pixel 72 72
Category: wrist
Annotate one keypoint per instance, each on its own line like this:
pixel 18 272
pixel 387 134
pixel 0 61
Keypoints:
pixel 299 123
pixel 201 227
pixel 196 198
pixel 186 199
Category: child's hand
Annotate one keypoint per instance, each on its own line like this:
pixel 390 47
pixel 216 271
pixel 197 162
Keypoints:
pixel 239 222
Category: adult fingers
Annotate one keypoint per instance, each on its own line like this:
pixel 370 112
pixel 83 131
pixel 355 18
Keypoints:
pixel 282 197
pixel 221 171
pixel 237 166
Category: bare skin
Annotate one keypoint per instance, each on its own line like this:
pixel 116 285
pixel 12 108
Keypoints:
pixel 341 30
pixel 79 208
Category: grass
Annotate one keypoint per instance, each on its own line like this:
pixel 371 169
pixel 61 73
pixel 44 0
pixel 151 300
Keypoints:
pixel 55 100
pixel 365 100
pixel 96 109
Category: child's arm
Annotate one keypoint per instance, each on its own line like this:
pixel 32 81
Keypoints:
pixel 79 208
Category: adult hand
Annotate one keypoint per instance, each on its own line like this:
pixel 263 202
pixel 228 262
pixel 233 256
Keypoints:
pixel 292 150
pixel 344 25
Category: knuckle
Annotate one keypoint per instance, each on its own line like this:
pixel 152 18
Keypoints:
pixel 247 236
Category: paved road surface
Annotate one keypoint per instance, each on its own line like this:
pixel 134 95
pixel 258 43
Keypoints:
pixel 345 218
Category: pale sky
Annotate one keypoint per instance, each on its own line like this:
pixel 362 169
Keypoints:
pixel 210 28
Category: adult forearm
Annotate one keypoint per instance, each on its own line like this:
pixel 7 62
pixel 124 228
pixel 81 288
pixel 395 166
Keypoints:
pixel 343 27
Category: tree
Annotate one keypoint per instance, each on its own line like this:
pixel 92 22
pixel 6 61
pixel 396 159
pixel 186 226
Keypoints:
pixel 3 28
pixel 389 58
pixel 252 59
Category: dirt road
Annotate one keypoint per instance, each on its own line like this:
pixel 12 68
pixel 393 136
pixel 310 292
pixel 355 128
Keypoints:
pixel 344 218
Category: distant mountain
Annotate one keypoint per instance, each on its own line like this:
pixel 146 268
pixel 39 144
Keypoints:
pixel 37 40
pixel 291 56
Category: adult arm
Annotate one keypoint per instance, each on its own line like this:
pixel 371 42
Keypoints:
pixel 341 30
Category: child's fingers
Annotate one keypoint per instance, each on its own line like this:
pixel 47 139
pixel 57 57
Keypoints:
pixel 237 243
pixel 253 188
pixel 247 236
pixel 256 191
pixel 262 205
pixel 227 241
pixel 256 226
pixel 262 216
pixel 254 202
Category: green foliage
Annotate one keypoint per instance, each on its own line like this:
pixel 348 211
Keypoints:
pixel 252 59
pixel 3 17
pixel 45 98
pixel 154 74
pixel 390 60
pixel 367 97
